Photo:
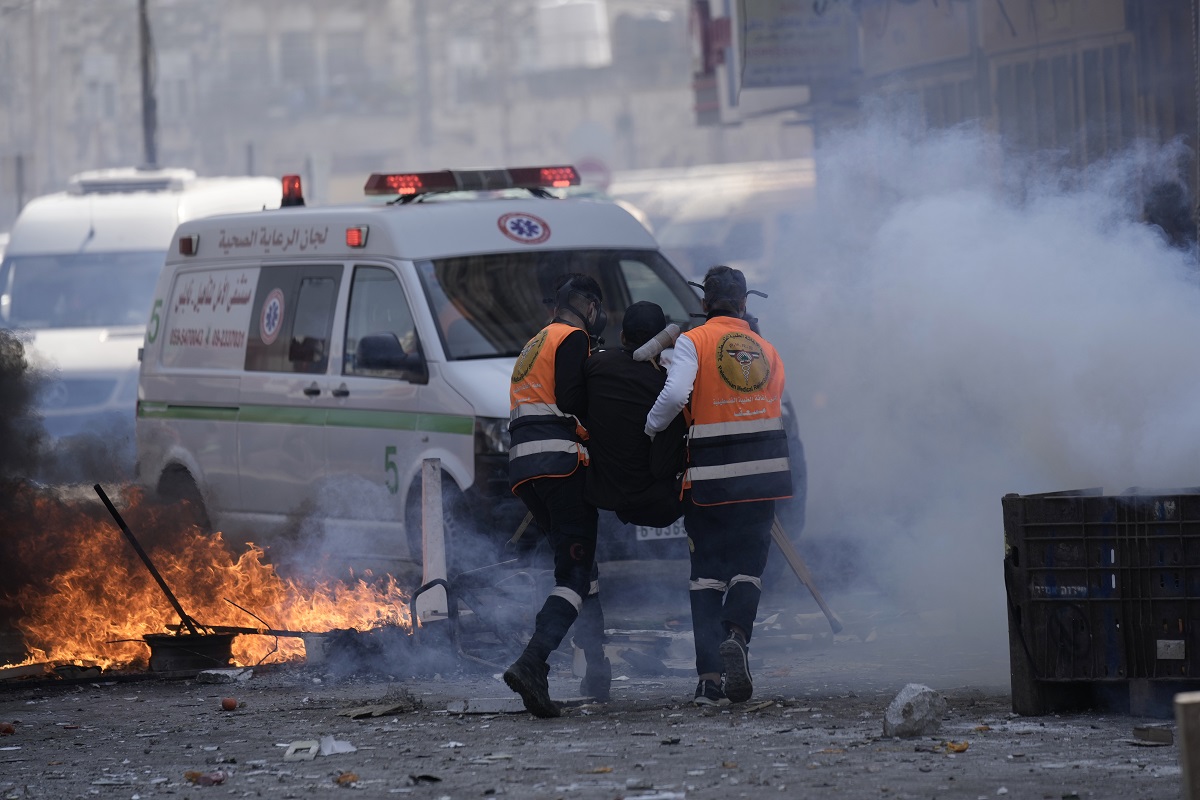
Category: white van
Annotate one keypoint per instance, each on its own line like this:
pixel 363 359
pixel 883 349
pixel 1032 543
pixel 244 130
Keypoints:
pixel 301 363
pixel 78 274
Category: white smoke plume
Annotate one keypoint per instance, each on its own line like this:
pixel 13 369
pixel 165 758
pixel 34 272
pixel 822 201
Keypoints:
pixel 958 323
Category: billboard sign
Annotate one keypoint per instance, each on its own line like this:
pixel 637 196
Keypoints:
pixel 785 43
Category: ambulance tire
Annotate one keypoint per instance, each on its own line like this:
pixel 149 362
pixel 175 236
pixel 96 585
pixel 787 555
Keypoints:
pixel 178 488
pixel 465 550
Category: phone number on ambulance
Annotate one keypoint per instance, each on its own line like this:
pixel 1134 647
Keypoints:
pixel 199 337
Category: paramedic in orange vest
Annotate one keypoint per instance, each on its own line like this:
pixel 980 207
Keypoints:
pixel 737 469
pixel 546 461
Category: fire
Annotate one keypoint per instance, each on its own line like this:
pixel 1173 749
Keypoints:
pixel 83 596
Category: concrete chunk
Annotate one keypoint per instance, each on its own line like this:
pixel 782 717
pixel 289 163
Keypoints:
pixel 916 711
pixel 224 675
pixel 487 705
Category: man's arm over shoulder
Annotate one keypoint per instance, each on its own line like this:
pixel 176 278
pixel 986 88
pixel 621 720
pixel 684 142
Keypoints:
pixel 674 395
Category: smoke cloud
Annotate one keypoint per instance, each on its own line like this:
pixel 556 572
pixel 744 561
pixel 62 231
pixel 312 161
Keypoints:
pixel 958 323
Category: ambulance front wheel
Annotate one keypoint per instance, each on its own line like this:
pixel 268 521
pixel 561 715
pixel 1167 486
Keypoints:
pixel 465 549
pixel 177 488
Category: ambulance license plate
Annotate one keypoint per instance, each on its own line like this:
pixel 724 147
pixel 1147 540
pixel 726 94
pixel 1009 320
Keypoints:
pixel 673 531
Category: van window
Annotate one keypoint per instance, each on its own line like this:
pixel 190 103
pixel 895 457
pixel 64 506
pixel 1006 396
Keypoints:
pixel 489 305
pixel 377 305
pixel 79 290
pixel 644 284
pixel 292 322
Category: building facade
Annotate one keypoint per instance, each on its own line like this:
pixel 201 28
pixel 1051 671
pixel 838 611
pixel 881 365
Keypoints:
pixel 336 89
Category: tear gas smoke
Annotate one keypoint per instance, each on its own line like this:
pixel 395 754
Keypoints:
pixel 959 323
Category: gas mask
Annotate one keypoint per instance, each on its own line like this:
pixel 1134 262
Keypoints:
pixel 563 299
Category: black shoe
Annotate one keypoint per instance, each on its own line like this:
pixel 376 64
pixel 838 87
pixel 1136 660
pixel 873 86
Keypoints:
pixel 597 682
pixel 738 686
pixel 527 677
pixel 708 693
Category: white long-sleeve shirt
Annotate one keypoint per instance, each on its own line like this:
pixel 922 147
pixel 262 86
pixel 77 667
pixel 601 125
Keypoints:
pixel 674 395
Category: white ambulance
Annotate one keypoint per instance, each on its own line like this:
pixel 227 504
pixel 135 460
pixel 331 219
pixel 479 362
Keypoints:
pixel 301 363
pixel 78 275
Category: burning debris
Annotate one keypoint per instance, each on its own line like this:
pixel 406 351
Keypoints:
pixel 78 594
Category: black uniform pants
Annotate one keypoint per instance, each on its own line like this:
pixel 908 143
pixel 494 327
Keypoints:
pixel 569 523
pixel 729 545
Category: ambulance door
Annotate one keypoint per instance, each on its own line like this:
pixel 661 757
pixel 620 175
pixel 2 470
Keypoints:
pixel 374 436
pixel 286 389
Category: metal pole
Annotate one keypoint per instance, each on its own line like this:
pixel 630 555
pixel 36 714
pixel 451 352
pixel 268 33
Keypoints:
pixel 183 617
pixel 433 542
pixel 20 180
pixel 149 104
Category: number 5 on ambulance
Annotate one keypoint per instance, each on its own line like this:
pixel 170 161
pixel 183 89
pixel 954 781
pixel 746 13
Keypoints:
pixel 304 362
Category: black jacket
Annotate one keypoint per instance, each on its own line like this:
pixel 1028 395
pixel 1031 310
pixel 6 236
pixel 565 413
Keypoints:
pixel 627 470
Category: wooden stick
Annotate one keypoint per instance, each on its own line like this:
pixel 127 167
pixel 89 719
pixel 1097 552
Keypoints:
pixel 801 569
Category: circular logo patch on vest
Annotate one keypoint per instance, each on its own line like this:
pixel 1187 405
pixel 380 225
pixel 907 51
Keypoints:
pixel 524 228
pixel 271 319
pixel 741 363
pixel 529 354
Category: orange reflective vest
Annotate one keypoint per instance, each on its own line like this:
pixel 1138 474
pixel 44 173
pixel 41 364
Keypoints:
pixel 545 442
pixel 737 447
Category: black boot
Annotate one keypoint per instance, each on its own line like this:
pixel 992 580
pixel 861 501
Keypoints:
pixel 589 637
pixel 527 677
pixel 597 682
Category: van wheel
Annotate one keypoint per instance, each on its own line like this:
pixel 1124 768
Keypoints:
pixel 466 548
pixel 178 488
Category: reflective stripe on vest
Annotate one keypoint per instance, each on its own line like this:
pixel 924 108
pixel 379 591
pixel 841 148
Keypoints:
pixel 738 427
pixel 545 446
pixel 535 410
pixel 737 447
pixel 544 442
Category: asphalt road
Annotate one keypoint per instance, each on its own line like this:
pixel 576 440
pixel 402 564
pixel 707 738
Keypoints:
pixel 813 729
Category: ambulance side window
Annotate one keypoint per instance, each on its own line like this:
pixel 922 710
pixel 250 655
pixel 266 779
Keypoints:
pixel 292 320
pixel 381 339
pixel 308 350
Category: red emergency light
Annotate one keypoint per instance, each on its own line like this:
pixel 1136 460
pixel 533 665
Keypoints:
pixel 293 192
pixel 474 180
pixel 357 236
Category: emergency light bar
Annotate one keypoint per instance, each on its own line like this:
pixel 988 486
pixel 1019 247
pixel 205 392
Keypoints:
pixel 293 192
pixel 474 180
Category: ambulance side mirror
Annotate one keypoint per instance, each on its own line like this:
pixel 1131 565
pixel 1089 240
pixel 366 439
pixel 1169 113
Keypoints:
pixel 383 352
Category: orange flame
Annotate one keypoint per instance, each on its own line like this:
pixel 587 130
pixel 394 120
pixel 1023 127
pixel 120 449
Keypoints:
pixel 94 599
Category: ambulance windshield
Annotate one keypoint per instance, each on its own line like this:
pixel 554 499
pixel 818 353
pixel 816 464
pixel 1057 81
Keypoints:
pixel 78 290
pixel 488 306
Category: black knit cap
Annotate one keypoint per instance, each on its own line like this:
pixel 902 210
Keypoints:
pixel 723 283
pixel 642 320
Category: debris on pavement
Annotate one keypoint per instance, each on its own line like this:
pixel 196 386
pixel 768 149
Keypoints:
pixel 330 746
pixel 916 711
pixel 487 705
pixel 224 675
pixel 204 778
pixel 377 710
pixel 304 750
pixel 417 780
pixel 1154 734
